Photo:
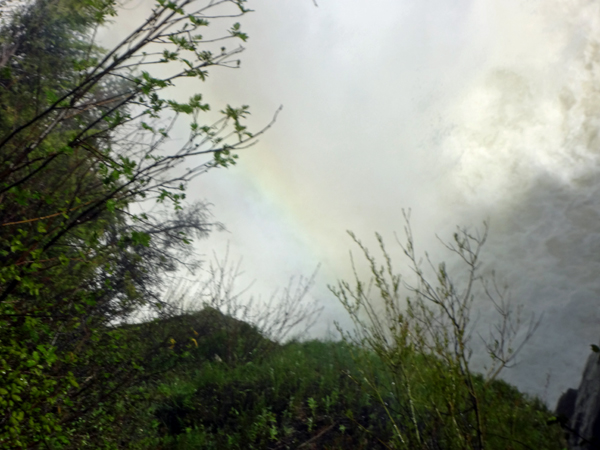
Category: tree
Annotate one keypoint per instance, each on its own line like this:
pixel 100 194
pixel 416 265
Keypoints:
pixel 83 157
pixel 422 333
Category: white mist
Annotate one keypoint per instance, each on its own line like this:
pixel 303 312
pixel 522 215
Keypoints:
pixel 461 110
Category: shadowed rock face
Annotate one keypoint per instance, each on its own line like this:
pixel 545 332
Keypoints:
pixel 565 409
pixel 579 409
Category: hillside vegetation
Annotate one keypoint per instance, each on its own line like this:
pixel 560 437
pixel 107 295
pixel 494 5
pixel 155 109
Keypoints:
pixel 230 394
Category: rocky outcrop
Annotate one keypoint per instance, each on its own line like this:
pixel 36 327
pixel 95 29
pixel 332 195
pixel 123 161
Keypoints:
pixel 565 409
pixel 579 409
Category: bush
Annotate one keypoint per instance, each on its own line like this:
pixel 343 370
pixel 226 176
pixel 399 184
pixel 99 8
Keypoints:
pixel 421 336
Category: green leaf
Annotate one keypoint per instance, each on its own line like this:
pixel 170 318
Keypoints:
pixel 51 97
pixel 111 205
pixel 140 238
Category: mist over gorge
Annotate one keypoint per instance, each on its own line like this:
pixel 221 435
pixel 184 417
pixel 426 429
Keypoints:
pixel 524 152
pixel 461 112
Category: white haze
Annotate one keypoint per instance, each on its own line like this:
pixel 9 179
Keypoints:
pixel 461 110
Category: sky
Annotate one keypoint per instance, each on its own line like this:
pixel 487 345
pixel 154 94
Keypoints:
pixel 461 111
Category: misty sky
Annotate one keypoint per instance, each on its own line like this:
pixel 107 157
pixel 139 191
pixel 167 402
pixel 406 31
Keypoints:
pixel 460 110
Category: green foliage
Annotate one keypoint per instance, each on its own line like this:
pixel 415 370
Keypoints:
pixel 319 395
pixel 284 400
pixel 421 333
pixel 83 135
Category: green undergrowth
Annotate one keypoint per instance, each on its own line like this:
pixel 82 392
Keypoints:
pixel 297 394
pixel 308 395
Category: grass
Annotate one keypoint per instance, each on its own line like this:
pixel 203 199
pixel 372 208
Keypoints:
pixel 297 396
pixel 229 394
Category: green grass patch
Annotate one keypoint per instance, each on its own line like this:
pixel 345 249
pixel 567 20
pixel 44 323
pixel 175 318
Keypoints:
pixel 315 395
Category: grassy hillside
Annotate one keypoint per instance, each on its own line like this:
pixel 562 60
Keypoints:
pixel 236 390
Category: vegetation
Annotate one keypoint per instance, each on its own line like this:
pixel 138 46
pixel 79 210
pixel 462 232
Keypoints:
pixel 421 337
pixel 314 395
pixel 93 219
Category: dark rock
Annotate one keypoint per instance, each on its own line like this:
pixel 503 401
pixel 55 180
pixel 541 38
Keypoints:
pixel 565 409
pixel 579 410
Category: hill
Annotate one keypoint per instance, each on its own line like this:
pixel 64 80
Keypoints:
pixel 234 389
